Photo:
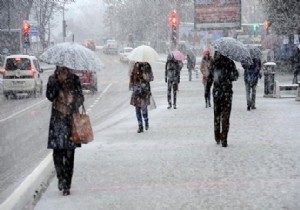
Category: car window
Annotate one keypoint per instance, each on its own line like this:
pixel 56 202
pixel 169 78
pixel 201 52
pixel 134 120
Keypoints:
pixel 17 63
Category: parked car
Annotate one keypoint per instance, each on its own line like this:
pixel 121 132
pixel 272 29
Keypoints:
pixel 88 80
pixel 124 53
pixel 90 43
pixel 21 74
pixel 110 47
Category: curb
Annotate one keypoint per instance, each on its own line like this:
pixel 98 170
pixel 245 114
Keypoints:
pixel 30 189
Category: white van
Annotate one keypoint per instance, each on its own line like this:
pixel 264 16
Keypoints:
pixel 21 74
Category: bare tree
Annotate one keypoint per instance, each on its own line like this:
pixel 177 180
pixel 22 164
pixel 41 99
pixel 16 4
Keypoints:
pixel 43 11
pixel 283 15
pixel 13 12
pixel 144 20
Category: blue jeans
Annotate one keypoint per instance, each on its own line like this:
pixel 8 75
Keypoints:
pixel 141 112
pixel 250 94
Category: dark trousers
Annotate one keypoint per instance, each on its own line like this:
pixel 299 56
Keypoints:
pixel 207 94
pixel 222 109
pixel 172 86
pixel 141 112
pixel 64 164
pixel 295 79
pixel 250 94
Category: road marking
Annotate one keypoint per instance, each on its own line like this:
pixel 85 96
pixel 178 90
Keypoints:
pixel 23 110
pixel 98 99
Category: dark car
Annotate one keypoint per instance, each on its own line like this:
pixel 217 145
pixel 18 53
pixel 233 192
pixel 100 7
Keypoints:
pixel 90 44
pixel 88 80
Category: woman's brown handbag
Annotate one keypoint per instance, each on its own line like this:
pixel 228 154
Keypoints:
pixel 82 132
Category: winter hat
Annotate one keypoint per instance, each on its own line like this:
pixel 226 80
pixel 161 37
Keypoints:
pixel 206 51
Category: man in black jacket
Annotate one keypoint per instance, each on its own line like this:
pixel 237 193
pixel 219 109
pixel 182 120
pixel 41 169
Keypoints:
pixel 172 77
pixel 222 72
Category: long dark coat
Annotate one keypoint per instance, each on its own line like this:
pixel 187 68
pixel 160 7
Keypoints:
pixel 191 61
pixel 60 124
pixel 297 61
pixel 141 74
pixel 177 65
pixel 252 72
pixel 222 73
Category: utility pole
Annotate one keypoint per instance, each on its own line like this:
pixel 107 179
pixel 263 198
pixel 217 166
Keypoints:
pixel 64 25
pixel 174 23
pixel 8 15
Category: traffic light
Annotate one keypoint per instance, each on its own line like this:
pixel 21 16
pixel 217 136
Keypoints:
pixel 25 27
pixel 267 26
pixel 255 27
pixel 174 35
pixel 174 22
pixel 173 19
pixel 25 30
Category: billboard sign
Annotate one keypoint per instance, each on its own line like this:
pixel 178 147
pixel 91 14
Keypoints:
pixel 217 14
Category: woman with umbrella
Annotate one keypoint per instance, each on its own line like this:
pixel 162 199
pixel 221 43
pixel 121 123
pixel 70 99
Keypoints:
pixel 65 92
pixel 140 79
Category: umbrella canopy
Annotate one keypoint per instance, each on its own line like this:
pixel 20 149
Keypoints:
pixel 73 56
pixel 143 53
pixel 255 52
pixel 232 49
pixel 178 55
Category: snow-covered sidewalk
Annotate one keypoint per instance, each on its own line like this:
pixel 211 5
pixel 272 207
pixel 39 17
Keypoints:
pixel 177 165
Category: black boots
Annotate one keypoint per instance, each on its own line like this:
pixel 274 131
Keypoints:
pixel 170 106
pixel 207 103
pixel 146 125
pixel 141 129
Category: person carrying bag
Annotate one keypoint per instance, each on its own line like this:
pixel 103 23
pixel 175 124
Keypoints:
pixel 65 92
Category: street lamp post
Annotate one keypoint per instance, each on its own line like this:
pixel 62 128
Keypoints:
pixel 8 15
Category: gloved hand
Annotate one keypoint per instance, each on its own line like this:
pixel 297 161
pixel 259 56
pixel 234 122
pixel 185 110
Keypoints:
pixel 166 80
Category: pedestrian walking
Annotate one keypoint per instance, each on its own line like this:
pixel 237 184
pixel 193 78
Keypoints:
pixel 140 79
pixel 296 64
pixel 222 72
pixel 251 75
pixel 204 68
pixel 65 92
pixel 172 78
pixel 191 62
